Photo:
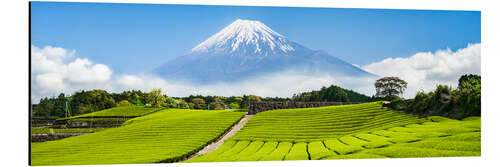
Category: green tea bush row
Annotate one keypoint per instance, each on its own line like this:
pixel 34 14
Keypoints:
pixel 165 136
pixel 368 131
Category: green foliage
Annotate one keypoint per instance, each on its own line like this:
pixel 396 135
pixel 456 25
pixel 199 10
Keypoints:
pixel 469 96
pixel 155 98
pixel 182 104
pixel 198 103
pixel 314 124
pixel 68 130
pixel 217 104
pixel 348 132
pixel 279 153
pixel 252 148
pixel 445 101
pixel 298 152
pixel 390 86
pixel 168 136
pixel 79 103
pixel 234 106
pixel 124 103
pixel 89 101
pixel 332 93
pixel 267 148
pixel 398 104
pixel 136 97
pixel 444 138
pixel 317 150
pixel 127 111
pixel 340 147
pixel 254 98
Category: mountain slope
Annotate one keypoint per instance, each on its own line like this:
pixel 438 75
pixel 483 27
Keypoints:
pixel 249 48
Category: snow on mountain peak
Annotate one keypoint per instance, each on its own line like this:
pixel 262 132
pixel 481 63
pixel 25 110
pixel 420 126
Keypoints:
pixel 247 35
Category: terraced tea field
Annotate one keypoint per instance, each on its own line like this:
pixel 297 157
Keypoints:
pixel 68 130
pixel 163 136
pixel 128 111
pixel 346 132
pixel 112 117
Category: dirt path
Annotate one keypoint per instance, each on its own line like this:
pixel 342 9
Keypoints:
pixel 213 146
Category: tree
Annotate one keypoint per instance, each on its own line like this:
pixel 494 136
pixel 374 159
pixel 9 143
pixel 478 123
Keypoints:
pixel 183 104
pixel 389 87
pixel 135 99
pixel 191 105
pixel 198 103
pixel 170 102
pixel 155 98
pixel 469 95
pixel 234 106
pixel 468 80
pixel 89 101
pixel 254 98
pixel 217 104
pixel 124 103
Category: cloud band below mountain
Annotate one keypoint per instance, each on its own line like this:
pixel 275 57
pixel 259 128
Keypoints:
pixel 56 70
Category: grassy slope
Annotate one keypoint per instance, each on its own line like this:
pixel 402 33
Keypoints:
pixel 353 131
pixel 310 124
pixel 69 130
pixel 128 111
pixel 167 135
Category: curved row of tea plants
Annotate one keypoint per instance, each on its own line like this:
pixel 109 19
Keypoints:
pixel 368 131
pixel 67 130
pixel 126 111
pixel 164 136
pixel 310 124
pixel 106 118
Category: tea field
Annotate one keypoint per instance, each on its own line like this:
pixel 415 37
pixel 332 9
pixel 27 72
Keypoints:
pixel 67 130
pixel 163 136
pixel 127 111
pixel 112 117
pixel 347 132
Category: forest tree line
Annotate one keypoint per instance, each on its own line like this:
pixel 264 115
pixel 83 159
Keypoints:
pixel 333 93
pixel 87 101
pixel 458 103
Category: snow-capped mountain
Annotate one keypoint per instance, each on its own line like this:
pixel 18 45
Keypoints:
pixel 252 37
pixel 249 48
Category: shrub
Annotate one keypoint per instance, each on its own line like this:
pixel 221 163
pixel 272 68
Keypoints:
pixel 124 103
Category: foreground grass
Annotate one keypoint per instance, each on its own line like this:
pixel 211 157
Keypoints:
pixel 164 136
pixel 348 132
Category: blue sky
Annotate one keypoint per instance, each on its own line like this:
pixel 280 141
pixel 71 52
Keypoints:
pixel 135 38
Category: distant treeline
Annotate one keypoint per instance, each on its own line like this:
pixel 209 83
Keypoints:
pixel 333 94
pixel 462 102
pixel 83 102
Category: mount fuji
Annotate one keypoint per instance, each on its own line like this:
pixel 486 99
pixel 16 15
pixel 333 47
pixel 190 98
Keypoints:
pixel 246 49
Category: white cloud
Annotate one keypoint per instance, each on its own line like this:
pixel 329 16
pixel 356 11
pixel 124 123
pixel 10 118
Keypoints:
pixel 56 70
pixel 84 71
pixel 425 70
pixel 281 84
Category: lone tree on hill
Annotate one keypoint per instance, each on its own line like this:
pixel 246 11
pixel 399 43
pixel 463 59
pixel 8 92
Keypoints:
pixel 390 87
pixel 155 98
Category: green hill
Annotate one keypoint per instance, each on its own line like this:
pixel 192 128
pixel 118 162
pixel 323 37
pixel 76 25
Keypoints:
pixel 344 132
pixel 127 111
pixel 164 136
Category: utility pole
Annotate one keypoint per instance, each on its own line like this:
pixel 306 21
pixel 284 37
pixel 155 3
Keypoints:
pixel 68 113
